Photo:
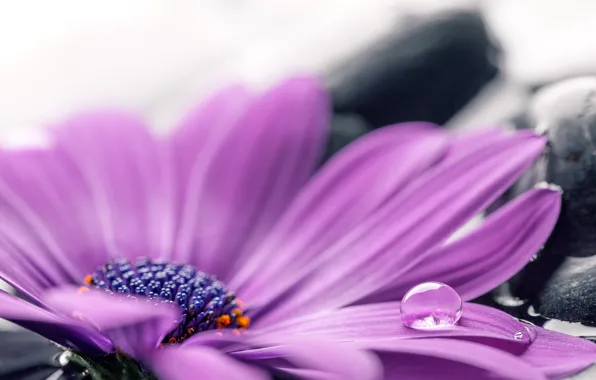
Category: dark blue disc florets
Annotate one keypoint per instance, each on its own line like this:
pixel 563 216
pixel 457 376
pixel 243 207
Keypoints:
pixel 205 302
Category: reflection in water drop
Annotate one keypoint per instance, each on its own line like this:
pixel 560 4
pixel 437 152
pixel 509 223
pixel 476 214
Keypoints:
pixel 431 305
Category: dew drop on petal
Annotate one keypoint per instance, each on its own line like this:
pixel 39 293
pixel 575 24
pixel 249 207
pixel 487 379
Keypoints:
pixel 527 334
pixel 431 305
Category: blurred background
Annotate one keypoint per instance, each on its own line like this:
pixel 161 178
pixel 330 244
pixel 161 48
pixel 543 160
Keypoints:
pixel 459 63
pixel 158 57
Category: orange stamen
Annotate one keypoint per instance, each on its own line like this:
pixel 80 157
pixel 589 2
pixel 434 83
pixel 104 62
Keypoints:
pixel 223 321
pixel 237 313
pixel 88 279
pixel 243 321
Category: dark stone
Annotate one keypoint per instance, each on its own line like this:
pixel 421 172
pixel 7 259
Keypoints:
pixel 569 293
pixel 344 130
pixel 562 281
pixel 27 356
pixel 425 72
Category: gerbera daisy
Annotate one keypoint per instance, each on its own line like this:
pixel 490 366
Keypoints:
pixel 215 253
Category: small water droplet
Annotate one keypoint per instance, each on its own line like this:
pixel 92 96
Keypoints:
pixel 431 305
pixel 527 334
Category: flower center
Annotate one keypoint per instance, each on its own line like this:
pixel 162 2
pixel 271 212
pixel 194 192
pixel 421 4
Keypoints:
pixel 205 302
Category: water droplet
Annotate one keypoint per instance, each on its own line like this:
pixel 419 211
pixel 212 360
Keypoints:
pixel 431 305
pixel 527 334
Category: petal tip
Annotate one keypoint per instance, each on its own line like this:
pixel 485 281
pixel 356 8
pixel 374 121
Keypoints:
pixel 303 84
pixel 549 186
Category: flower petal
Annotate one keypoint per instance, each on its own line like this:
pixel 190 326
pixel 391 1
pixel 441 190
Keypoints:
pixel 301 356
pixel 40 212
pixel 558 355
pixel 201 363
pixel 382 321
pixel 373 168
pixel 419 218
pixel 313 359
pixel 133 326
pixel 488 256
pixel 449 359
pixel 194 142
pixel 125 173
pixel 249 175
pixel 19 272
pixel 189 140
pixel 66 332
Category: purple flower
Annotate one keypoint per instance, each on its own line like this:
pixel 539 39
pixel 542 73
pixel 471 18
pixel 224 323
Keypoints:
pixel 317 262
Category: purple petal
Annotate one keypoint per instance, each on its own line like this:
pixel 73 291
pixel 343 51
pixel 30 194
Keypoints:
pixel 212 119
pixel 126 176
pixel 192 146
pixel 419 218
pixel 313 359
pixel 383 322
pixel 249 175
pixel 200 363
pixel 134 326
pixel 450 360
pixel 373 168
pixel 17 270
pixel 464 142
pixel 558 355
pixel 64 331
pixel 487 256
pixel 41 212
pixel 301 356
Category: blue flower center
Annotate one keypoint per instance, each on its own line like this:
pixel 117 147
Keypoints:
pixel 205 302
